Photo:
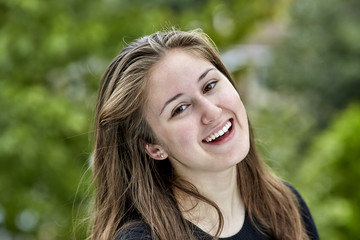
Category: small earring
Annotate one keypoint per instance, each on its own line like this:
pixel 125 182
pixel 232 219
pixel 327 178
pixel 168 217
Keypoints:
pixel 161 156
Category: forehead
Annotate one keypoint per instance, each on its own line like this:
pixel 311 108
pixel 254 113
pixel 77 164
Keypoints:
pixel 176 66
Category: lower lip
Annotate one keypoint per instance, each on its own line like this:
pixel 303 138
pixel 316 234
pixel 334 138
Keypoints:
pixel 224 138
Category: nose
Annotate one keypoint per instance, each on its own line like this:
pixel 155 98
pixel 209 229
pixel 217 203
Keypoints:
pixel 209 111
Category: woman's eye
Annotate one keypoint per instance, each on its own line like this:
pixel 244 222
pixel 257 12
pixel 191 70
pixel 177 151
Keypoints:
pixel 209 86
pixel 179 110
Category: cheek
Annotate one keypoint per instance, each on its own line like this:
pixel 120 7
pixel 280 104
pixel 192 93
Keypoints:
pixel 232 100
pixel 179 138
pixel 183 134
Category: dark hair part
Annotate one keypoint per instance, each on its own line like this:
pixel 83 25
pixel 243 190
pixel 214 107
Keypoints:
pixel 128 183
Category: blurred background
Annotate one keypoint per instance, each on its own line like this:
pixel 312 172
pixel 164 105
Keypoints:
pixel 297 64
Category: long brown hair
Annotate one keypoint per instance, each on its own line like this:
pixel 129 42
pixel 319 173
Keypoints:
pixel 128 183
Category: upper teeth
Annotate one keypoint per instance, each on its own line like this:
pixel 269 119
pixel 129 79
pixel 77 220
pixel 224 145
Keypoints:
pixel 221 132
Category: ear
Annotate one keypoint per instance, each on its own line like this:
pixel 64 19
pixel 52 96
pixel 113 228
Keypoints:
pixel 155 151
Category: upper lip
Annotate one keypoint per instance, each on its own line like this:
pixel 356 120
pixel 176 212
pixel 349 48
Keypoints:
pixel 218 128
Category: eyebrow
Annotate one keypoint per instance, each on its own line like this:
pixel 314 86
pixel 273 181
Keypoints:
pixel 180 94
pixel 206 72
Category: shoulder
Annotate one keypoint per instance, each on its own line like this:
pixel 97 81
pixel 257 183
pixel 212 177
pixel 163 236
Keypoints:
pixel 134 232
pixel 306 215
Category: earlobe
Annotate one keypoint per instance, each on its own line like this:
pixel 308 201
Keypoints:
pixel 155 151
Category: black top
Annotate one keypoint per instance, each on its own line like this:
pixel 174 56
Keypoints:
pixel 247 232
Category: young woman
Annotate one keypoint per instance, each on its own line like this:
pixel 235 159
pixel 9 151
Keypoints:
pixel 174 153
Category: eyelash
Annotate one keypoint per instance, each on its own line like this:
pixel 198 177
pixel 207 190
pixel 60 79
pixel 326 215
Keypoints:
pixel 213 83
pixel 181 108
pixel 177 110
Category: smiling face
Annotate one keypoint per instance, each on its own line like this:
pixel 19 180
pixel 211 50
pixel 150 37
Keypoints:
pixel 196 114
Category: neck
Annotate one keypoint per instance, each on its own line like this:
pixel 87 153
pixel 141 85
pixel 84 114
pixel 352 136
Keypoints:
pixel 222 189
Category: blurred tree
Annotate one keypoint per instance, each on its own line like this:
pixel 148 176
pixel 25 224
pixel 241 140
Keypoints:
pixel 319 58
pixel 43 148
pixel 329 176
pixel 52 56
pixel 281 127
pixel 316 69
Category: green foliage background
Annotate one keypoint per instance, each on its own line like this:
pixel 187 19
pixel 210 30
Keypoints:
pixel 52 55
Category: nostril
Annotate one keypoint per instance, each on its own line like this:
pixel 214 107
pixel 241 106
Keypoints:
pixel 207 120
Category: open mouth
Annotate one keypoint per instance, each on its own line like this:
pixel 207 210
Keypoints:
pixel 221 134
